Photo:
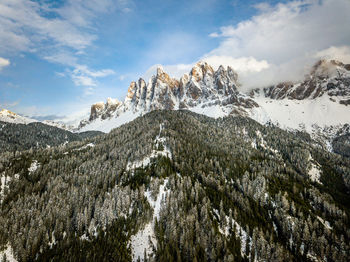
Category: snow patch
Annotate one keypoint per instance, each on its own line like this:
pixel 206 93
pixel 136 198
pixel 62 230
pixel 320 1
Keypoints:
pixel 85 146
pixel 214 111
pixel 4 184
pixel 144 240
pixel 325 223
pixel 159 142
pixel 34 166
pixel 8 253
pixel 240 233
pixel 314 172
pixel 263 143
pixel 110 123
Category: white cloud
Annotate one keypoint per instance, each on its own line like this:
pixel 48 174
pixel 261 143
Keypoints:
pixel 242 64
pixel 175 71
pixel 88 91
pixel 83 76
pixel 83 69
pixel 25 25
pixel 56 32
pixel 280 43
pixel 288 37
pixel 83 80
pixel 31 23
pixel 3 63
pixel 63 58
pixel 341 53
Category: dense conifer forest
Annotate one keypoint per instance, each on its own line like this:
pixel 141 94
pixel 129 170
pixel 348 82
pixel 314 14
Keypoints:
pixel 18 137
pixel 226 189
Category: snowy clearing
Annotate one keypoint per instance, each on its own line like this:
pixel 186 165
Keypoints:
pixel 4 184
pixel 158 142
pixel 8 253
pixel 314 172
pixel 85 146
pixel 144 240
pixel 240 232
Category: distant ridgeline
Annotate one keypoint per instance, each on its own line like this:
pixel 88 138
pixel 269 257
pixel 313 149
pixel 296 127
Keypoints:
pixel 175 186
pixel 18 137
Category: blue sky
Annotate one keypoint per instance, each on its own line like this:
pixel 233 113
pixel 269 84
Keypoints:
pixel 59 57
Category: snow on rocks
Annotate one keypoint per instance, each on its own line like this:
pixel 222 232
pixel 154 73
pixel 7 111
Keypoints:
pixel 261 141
pixel 145 240
pixel 86 146
pixel 8 254
pixel 314 172
pixel 240 232
pixel 325 223
pixel 10 117
pixel 4 184
pixel 34 166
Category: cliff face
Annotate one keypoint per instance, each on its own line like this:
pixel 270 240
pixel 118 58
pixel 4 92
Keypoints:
pixel 202 86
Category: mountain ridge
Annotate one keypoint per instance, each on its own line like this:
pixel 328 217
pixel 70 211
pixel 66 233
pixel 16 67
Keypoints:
pixel 319 101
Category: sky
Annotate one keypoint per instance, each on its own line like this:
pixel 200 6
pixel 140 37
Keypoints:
pixel 59 57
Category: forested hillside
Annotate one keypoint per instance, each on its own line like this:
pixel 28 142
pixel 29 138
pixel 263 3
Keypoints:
pixel 178 186
pixel 15 137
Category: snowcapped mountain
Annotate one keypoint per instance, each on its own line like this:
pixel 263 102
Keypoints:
pixel 318 105
pixel 326 77
pixel 10 117
pixel 203 90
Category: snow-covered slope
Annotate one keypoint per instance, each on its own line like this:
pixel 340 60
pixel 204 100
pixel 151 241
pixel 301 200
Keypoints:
pixel 10 117
pixel 306 115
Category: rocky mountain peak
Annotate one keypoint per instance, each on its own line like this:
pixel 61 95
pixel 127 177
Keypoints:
pixel 329 77
pixel 5 112
pixel 160 70
pixel 166 79
pixel 131 90
pixel 200 70
pixel 96 110
pixel 11 117
pixel 201 87
pixel 327 68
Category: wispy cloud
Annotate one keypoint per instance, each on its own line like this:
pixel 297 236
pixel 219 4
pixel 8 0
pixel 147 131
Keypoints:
pixel 31 24
pixel 81 75
pixel 58 33
pixel 4 62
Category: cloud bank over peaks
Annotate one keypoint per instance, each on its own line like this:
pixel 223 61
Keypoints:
pixel 288 37
pixel 280 43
